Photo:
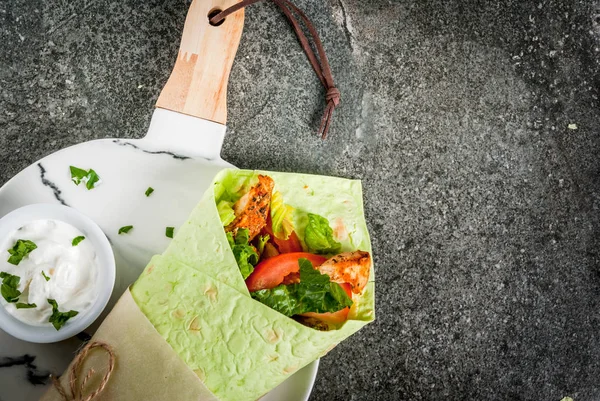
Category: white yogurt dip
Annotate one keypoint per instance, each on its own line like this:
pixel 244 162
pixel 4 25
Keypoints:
pixel 72 271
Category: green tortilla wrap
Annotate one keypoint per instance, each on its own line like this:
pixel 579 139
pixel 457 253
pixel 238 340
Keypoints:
pixel 196 298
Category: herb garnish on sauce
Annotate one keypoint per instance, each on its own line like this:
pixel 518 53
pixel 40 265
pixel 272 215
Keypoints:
pixel 9 287
pixel 58 319
pixel 77 240
pixel 21 249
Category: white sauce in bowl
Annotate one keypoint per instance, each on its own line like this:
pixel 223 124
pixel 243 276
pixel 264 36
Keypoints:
pixel 72 271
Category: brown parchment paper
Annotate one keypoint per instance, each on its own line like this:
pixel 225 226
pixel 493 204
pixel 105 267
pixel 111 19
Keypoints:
pixel 146 367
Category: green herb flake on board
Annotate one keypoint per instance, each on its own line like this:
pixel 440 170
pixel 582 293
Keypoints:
pixel 89 177
pixel 169 232
pixel 125 229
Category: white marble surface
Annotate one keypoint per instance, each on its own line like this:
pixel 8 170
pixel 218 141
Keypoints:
pixel 179 175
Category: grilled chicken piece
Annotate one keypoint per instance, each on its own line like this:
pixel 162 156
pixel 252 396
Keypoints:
pixel 349 267
pixel 252 209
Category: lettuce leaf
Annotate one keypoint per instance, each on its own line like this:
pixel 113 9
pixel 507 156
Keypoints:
pixel 226 212
pixel 281 216
pixel 314 293
pixel 245 254
pixel 318 236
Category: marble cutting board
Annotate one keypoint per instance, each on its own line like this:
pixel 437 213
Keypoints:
pixel 178 158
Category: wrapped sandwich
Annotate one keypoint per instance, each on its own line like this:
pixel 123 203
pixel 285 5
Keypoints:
pixel 270 272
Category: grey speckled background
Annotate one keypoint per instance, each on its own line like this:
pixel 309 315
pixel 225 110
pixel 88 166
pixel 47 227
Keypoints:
pixel 482 204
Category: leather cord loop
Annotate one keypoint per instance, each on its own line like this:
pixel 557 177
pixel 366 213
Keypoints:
pixel 318 61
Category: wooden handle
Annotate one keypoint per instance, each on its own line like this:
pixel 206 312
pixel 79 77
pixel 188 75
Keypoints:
pixel 198 84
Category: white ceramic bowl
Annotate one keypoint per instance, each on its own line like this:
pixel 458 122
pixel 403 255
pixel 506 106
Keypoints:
pixel 105 281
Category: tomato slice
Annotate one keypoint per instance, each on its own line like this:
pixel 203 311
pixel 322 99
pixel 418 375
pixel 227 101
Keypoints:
pixel 270 272
pixel 331 317
pixel 292 244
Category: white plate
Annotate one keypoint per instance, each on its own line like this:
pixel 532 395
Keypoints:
pixel 127 169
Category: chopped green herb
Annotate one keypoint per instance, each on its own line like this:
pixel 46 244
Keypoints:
pixel 9 287
pixel 125 229
pixel 314 293
pixel 93 178
pixel 77 240
pixel 46 277
pixel 169 232
pixel 58 319
pixel 149 191
pixel 77 174
pixel 318 236
pixel 245 254
pixel 21 249
pixel 90 177
pixel 21 305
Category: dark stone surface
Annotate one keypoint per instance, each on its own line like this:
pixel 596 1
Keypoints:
pixel 483 205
